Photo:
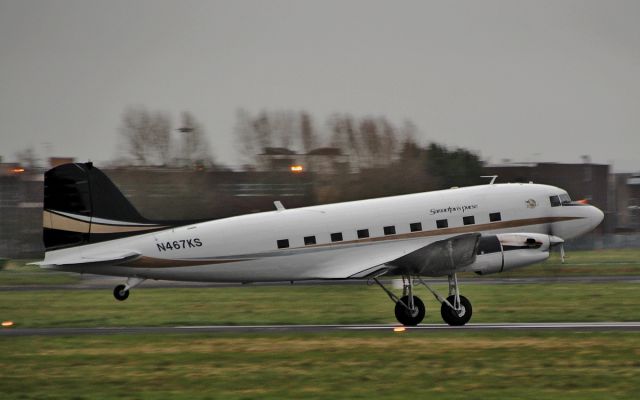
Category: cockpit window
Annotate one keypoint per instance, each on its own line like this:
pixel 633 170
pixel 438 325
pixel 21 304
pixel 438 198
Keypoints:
pixel 565 199
pixel 560 200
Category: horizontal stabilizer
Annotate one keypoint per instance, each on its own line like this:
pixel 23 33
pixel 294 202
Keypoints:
pixel 107 258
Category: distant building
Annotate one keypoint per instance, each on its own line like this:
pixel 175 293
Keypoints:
pixel 20 211
pixel 277 159
pixel 626 201
pixel 321 161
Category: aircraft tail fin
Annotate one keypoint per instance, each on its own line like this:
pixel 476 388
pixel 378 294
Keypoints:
pixel 82 206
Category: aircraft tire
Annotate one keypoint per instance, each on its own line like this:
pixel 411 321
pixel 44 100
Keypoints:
pixel 119 293
pixel 405 317
pixel 451 317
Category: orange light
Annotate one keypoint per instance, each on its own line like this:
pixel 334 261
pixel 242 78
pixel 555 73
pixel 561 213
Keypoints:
pixel 7 324
pixel 583 201
pixel 399 329
pixel 17 170
pixel 297 168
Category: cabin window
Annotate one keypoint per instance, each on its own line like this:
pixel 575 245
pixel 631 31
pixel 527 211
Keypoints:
pixel 390 230
pixel 415 227
pixel 363 233
pixel 442 223
pixel 336 237
pixel 469 220
pixel 283 243
pixel 309 240
pixel 495 217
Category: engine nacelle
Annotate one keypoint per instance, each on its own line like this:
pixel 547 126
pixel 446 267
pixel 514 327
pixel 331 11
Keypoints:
pixel 505 251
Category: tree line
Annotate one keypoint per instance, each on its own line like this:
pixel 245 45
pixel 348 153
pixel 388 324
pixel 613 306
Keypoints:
pixel 386 155
pixel 150 138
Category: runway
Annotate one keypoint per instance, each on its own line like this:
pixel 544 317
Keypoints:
pixel 388 328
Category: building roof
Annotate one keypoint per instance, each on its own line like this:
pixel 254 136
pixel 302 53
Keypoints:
pixel 325 151
pixel 278 151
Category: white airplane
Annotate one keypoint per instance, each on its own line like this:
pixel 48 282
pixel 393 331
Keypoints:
pixel 90 227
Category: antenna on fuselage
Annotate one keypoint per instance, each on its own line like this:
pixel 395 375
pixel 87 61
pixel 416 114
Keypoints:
pixel 279 206
pixel 493 178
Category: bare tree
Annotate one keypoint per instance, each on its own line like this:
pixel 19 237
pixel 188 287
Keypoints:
pixel 245 136
pixel 307 134
pixel 263 129
pixel 370 140
pixel 345 137
pixel 147 135
pixel 255 134
pixel 388 142
pixel 27 157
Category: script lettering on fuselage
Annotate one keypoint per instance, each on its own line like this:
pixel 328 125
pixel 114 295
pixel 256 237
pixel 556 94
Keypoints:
pixel 179 244
pixel 449 210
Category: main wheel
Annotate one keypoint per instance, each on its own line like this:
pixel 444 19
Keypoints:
pixel 408 317
pixel 120 293
pixel 453 317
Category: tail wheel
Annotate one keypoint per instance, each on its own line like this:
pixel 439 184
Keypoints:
pixel 120 292
pixel 410 317
pixel 453 317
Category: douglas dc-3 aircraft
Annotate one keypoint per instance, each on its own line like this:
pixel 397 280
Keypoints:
pixel 90 227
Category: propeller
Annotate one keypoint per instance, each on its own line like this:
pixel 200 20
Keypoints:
pixel 555 241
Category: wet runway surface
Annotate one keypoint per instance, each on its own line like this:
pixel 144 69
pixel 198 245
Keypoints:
pixel 422 329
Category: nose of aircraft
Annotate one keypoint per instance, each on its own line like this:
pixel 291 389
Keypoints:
pixel 583 220
pixel 595 216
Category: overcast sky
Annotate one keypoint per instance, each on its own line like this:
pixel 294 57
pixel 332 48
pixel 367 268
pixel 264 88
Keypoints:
pixel 523 80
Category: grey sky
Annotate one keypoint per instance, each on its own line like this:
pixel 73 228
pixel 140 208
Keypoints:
pixel 525 80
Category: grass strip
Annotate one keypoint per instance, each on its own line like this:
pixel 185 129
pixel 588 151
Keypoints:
pixel 359 365
pixel 326 304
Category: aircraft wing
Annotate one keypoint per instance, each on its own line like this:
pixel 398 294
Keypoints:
pixel 440 258
pixel 98 259
pixel 436 258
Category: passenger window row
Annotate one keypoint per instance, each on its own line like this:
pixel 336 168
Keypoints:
pixel 389 230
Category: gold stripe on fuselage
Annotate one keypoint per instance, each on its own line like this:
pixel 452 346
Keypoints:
pixel 52 220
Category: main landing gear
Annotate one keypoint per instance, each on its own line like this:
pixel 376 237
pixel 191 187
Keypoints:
pixel 121 292
pixel 455 310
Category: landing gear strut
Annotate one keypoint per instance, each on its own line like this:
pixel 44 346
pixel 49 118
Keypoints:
pixel 410 310
pixel 121 292
pixel 455 310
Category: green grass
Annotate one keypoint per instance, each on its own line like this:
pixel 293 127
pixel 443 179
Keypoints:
pixel 312 305
pixel 458 365
pixel 17 272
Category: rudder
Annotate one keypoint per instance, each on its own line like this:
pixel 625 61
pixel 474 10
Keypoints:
pixel 82 206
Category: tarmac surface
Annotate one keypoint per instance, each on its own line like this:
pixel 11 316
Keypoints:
pixel 421 329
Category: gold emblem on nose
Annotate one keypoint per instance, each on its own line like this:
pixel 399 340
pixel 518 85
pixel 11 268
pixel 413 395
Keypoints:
pixel 531 203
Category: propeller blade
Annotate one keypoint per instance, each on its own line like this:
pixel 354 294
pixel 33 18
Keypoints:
pixel 562 253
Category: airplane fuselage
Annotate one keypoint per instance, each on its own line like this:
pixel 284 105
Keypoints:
pixel 333 241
